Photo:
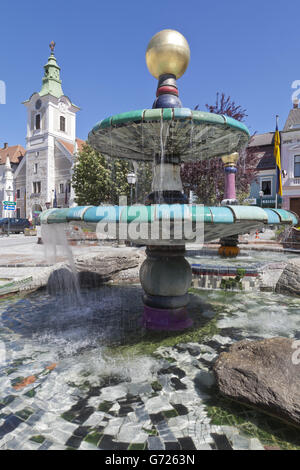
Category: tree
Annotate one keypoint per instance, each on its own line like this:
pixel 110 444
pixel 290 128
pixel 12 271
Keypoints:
pixel 206 178
pixel 228 107
pixel 99 180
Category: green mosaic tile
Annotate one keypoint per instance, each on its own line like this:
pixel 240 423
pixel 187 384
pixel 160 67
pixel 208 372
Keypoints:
pixel 156 386
pixel 24 414
pixel 131 116
pixel 152 432
pixel 7 400
pixel 170 413
pixel 31 393
pixel 68 416
pixel 137 447
pixel 152 114
pixel 38 439
pixel 94 438
pixel 105 406
pixel 167 114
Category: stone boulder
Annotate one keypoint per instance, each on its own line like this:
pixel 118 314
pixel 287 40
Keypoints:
pixel 289 281
pixel 263 374
pixel 96 269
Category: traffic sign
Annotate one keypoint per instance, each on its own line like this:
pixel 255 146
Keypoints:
pixel 9 208
pixel 9 203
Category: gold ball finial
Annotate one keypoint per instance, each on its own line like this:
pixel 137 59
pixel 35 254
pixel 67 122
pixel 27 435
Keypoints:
pixel 168 52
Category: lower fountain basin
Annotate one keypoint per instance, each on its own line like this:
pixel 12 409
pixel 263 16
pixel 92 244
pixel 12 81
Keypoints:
pixel 176 224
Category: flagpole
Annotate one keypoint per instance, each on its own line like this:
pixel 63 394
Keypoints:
pixel 276 198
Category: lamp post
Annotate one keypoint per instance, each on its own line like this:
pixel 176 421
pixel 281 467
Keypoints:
pixel 131 179
pixel 261 194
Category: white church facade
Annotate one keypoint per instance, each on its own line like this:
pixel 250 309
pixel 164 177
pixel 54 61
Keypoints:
pixel 42 179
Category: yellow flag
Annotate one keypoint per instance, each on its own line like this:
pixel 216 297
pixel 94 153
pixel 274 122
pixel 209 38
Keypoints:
pixel 278 161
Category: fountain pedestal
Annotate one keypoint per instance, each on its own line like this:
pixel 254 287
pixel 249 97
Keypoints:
pixel 166 277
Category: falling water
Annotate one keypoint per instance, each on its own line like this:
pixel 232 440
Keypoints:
pixel 56 248
pixel 164 128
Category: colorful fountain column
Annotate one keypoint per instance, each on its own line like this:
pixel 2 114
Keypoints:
pixel 166 275
pixel 230 169
pixel 229 248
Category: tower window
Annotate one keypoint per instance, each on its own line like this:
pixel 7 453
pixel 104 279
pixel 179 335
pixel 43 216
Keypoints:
pixel 35 168
pixel 36 187
pixel 62 123
pixel 297 166
pixel 38 121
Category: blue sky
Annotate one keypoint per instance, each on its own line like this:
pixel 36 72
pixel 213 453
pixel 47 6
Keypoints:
pixel 249 50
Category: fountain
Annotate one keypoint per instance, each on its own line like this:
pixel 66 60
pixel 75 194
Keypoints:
pixel 167 135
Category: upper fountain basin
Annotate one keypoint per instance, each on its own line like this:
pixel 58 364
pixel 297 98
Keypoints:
pixel 191 135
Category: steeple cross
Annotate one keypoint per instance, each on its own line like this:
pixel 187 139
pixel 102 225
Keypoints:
pixel 52 46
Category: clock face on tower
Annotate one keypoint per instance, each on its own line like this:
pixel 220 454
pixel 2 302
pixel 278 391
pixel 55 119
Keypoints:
pixel 38 104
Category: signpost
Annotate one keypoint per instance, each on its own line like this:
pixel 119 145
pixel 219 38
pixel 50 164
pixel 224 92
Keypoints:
pixel 9 206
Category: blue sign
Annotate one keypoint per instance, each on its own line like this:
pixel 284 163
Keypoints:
pixel 9 208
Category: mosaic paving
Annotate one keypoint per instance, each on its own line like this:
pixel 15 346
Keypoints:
pixel 64 387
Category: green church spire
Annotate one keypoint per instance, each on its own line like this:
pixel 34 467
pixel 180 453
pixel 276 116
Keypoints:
pixel 51 79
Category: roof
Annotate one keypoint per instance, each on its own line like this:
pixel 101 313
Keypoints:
pixel 293 120
pixel 70 147
pixel 262 145
pixel 259 140
pixel 15 153
pixel 267 162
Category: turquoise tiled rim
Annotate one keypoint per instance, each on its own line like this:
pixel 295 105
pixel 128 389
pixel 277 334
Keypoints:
pixel 195 213
pixel 168 114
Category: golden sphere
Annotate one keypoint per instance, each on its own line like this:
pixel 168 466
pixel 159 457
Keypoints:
pixel 167 52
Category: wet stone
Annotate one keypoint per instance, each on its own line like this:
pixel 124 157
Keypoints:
pixel 155 443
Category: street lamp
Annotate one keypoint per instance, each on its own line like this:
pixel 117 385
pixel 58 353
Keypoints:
pixel 131 179
pixel 261 193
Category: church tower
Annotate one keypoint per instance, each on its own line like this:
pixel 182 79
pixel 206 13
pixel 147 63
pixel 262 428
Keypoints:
pixel 51 138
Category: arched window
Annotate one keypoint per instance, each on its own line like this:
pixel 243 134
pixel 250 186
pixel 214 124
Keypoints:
pixel 38 121
pixel 62 123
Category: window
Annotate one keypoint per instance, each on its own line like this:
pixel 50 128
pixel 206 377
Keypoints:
pixel 62 124
pixel 36 187
pixel 69 187
pixel 266 187
pixel 18 193
pixel 38 121
pixel 35 168
pixel 297 166
pixel 61 188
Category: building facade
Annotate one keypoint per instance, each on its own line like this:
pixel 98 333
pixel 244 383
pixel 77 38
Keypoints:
pixel 263 188
pixel 43 176
pixel 290 160
pixel 263 146
pixel 10 158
